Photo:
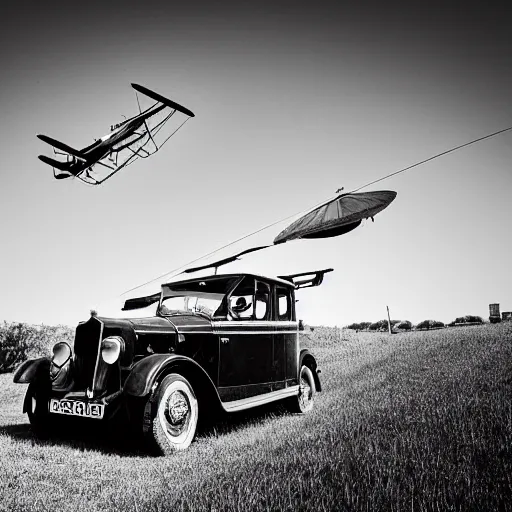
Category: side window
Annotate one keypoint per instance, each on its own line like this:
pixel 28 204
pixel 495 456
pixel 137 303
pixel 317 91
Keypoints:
pixel 284 303
pixel 241 305
pixel 262 301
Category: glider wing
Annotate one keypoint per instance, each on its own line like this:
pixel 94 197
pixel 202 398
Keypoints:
pixel 141 302
pixel 224 261
pixel 338 216
pixel 309 279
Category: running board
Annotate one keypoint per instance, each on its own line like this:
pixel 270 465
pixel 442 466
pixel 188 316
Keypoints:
pixel 253 401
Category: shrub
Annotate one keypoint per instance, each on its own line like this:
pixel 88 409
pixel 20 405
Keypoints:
pixel 20 341
pixel 16 341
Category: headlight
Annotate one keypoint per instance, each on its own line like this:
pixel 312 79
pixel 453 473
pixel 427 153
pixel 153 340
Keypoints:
pixel 61 356
pixel 111 349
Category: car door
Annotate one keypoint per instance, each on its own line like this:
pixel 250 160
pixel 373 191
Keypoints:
pixel 284 364
pixel 246 342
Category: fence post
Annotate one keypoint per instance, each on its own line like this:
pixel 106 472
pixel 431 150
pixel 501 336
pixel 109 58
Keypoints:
pixel 389 321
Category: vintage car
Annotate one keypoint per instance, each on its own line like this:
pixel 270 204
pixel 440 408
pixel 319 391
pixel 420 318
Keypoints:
pixel 227 342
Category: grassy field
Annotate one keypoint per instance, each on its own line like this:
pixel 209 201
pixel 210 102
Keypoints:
pixel 413 421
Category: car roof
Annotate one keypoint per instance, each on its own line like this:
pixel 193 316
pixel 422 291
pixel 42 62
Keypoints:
pixel 276 280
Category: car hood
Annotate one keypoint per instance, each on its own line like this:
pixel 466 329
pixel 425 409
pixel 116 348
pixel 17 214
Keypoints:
pixel 157 324
pixel 175 323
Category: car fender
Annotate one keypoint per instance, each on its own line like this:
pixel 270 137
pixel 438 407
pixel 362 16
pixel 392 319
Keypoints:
pixel 308 359
pixel 148 371
pixel 31 369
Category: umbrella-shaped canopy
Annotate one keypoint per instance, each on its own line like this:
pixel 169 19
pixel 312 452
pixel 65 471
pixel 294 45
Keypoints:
pixel 338 216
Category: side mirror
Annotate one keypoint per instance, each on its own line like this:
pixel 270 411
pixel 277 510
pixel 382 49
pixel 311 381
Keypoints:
pixel 301 325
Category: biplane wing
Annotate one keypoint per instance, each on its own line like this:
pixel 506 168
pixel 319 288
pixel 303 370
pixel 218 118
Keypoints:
pixel 60 169
pixel 62 147
pixel 161 99
pixel 138 137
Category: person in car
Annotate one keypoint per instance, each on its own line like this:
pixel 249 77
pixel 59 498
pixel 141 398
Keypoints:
pixel 241 306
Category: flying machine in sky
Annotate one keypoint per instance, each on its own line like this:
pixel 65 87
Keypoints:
pixel 338 216
pixel 137 137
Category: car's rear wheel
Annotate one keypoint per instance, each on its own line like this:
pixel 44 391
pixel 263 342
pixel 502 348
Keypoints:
pixel 304 401
pixel 171 415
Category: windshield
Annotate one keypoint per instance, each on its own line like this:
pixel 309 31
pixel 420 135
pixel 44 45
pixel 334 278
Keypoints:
pixel 190 304
pixel 198 297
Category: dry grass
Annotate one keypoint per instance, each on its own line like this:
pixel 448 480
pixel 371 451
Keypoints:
pixel 413 421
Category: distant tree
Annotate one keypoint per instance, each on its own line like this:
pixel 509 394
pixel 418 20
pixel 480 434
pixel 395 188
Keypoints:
pixel 381 325
pixel 361 326
pixel 474 318
pixel 403 325
pixel 429 324
pixel 467 319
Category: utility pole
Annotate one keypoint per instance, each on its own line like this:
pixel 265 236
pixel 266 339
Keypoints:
pixel 389 321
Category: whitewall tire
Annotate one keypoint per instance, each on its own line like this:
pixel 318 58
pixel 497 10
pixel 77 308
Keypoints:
pixel 304 401
pixel 171 415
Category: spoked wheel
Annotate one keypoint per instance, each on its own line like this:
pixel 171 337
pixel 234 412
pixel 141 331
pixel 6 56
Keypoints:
pixel 171 415
pixel 303 402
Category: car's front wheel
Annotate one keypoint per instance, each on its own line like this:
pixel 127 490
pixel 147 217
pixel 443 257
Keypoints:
pixel 171 415
pixel 303 402
pixel 36 401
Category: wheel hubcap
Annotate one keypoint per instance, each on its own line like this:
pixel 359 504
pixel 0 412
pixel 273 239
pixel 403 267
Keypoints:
pixel 305 395
pixel 177 413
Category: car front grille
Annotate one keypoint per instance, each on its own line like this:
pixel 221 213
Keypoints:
pixel 87 344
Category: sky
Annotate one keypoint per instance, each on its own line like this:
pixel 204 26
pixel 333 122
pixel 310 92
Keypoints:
pixel 293 100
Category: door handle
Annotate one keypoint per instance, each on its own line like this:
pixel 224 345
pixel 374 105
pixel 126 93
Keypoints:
pixel 224 341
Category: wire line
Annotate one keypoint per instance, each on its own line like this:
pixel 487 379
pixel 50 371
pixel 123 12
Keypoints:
pixel 432 158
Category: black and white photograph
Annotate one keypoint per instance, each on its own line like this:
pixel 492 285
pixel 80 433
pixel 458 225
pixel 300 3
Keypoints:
pixel 255 256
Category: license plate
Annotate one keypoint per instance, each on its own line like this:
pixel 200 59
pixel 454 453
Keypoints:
pixel 76 408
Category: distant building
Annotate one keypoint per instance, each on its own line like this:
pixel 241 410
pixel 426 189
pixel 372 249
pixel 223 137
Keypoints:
pixel 506 316
pixel 494 313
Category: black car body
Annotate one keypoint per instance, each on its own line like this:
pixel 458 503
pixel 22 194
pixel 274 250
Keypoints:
pixel 224 341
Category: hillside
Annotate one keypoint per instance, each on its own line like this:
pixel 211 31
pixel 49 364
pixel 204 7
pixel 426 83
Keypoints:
pixel 413 421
